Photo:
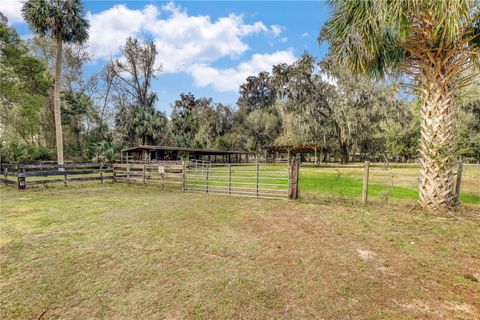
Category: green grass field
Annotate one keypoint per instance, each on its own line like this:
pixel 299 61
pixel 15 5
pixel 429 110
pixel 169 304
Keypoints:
pixel 398 183
pixel 127 251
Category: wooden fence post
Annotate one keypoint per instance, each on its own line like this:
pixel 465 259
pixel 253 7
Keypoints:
pixel 184 176
pixel 5 172
pixel 206 181
pixel 144 180
pixel 21 179
pixel 366 172
pixel 113 173
pixel 101 174
pixel 293 178
pixel 459 180
pixel 258 172
pixel 229 178
pixel 162 175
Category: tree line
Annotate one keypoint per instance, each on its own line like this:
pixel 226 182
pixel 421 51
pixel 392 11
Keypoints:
pixel 308 101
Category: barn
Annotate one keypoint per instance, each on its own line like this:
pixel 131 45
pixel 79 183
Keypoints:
pixel 150 153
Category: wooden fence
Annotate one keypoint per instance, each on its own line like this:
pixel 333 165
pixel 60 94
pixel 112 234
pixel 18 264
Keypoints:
pixel 162 174
pixel 23 175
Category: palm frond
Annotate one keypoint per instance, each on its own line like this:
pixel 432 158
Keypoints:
pixel 54 17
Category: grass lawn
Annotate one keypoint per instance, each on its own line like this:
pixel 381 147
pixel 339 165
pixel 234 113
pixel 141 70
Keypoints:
pixel 401 183
pixel 122 251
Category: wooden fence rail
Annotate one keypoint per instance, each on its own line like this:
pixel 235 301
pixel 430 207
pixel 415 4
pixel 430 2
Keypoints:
pixel 23 175
pixel 165 175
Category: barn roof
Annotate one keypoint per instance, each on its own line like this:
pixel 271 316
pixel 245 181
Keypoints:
pixel 303 148
pixel 184 149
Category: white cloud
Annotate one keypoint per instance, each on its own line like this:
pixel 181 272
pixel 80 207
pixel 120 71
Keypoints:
pixel 276 30
pixel 229 79
pixel 182 40
pixel 12 10
pixel 110 28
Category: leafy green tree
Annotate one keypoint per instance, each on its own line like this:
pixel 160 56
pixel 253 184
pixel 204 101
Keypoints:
pixel 329 107
pixel 142 125
pixel 188 113
pixel 400 132
pixel 256 92
pixel 468 138
pixel 63 20
pixel 261 128
pixel 24 84
pixel 436 44
pixel 104 152
pixel 304 100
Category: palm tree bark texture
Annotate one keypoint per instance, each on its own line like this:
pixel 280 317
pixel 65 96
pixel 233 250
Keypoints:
pixel 435 67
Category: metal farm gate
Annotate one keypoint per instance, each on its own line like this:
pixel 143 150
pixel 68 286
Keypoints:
pixel 247 180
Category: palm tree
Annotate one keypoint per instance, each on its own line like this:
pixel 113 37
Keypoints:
pixel 63 20
pixel 435 46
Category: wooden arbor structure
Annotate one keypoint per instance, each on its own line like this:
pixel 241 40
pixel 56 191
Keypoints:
pixel 291 151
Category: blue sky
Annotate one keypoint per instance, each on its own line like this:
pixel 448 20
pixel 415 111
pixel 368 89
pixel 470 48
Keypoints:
pixel 205 47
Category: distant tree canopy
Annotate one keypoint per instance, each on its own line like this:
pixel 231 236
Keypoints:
pixel 137 119
pixel 308 101
pixel 24 90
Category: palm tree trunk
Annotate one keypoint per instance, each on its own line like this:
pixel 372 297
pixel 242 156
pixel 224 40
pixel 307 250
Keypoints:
pixel 437 186
pixel 56 100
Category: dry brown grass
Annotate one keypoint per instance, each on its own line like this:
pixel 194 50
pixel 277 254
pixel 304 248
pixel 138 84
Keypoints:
pixel 131 252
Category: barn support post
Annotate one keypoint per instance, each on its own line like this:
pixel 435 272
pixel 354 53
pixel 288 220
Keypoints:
pixel 366 173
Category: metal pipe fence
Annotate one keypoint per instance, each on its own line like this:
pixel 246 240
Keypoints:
pixel 247 180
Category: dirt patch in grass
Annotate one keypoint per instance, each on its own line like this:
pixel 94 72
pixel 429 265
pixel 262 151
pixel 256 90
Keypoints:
pixel 135 252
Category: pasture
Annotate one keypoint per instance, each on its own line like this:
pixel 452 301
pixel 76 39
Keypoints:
pixel 132 251
pixel 397 182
